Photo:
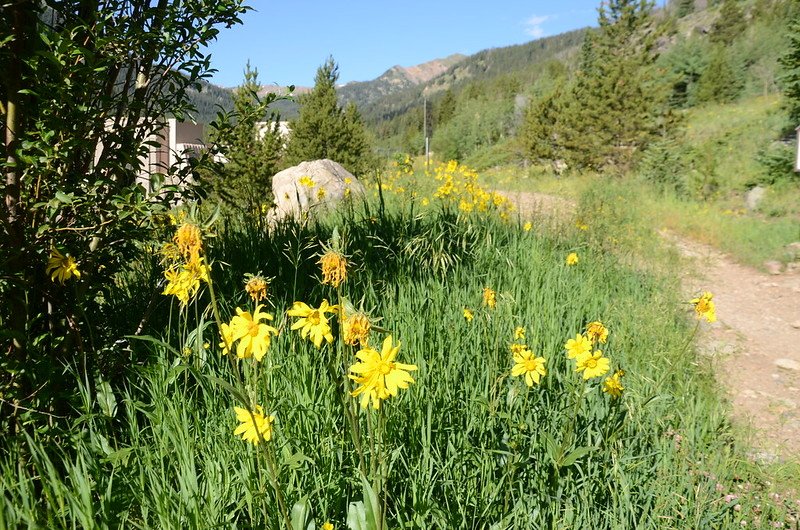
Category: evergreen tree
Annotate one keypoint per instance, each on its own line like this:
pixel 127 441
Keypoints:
pixel 538 134
pixel 324 130
pixel 447 108
pixel 685 7
pixel 790 62
pixel 615 107
pixel 720 82
pixel 254 149
pixel 730 23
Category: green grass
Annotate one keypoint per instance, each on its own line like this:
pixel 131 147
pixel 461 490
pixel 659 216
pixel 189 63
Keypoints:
pixel 468 446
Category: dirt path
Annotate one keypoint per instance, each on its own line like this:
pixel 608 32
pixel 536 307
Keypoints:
pixel 755 343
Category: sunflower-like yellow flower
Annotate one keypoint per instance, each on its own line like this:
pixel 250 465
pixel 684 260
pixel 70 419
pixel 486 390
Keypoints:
pixel 468 314
pixel 527 226
pixel 256 287
pixel 592 364
pixel 327 526
pixel 61 267
pixel 517 348
pixel 254 336
pixel 226 334
pixel 379 375
pixel 704 307
pixel 313 322
pixel 355 329
pixel 613 384
pixel 572 259
pixel 596 331
pixel 184 282
pixel 189 241
pixel 307 181
pixel 519 333
pixel 527 364
pixel 489 297
pixel 334 268
pixel 254 425
pixel 578 346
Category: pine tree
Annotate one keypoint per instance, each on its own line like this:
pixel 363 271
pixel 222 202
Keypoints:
pixel 538 133
pixel 685 7
pixel 615 107
pixel 730 23
pixel 447 108
pixel 790 62
pixel 324 130
pixel 253 148
pixel 720 82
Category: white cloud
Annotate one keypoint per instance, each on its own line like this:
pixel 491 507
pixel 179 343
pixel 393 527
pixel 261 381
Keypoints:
pixel 533 26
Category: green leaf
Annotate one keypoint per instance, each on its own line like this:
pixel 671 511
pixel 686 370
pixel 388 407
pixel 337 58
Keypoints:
pixel 552 449
pixel 576 454
pixel 106 399
pixel 356 516
pixel 153 340
pixel 63 197
pixel 301 515
pixel 230 388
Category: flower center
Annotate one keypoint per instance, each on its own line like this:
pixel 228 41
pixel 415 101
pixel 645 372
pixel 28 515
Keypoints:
pixel 591 363
pixel 314 318
pixel 384 368
pixel 530 365
pixel 253 330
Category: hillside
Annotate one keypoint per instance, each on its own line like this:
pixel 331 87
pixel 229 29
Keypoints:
pixel 395 80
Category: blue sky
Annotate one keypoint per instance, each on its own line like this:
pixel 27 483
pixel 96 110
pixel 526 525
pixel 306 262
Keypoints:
pixel 288 40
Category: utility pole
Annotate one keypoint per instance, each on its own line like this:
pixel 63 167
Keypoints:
pixel 425 133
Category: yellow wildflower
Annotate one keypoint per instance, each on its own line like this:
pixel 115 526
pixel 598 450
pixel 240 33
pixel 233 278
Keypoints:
pixel 516 348
pixel 253 336
pixel 578 346
pixel 489 297
pixel 256 287
pixel 592 364
pixel 321 193
pixel 189 241
pixel 61 267
pixel 468 314
pixel 227 338
pixel 184 282
pixel 306 181
pixel 529 365
pixel 519 333
pixel 379 375
pixel 596 331
pixel 355 329
pixel 572 259
pixel 613 385
pixel 254 425
pixel 327 526
pixel 527 226
pixel 334 268
pixel 704 307
pixel 313 322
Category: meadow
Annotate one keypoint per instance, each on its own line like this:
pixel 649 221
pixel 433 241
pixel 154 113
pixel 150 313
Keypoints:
pixel 493 425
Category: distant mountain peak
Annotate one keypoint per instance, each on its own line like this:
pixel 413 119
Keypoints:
pixel 396 79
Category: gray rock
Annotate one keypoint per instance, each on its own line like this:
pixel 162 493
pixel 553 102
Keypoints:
pixel 326 184
pixel 788 364
pixel 773 267
pixel 753 197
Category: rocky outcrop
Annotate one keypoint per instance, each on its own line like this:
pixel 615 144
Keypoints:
pixel 311 185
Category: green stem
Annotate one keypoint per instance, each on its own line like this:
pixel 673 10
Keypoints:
pixel 348 405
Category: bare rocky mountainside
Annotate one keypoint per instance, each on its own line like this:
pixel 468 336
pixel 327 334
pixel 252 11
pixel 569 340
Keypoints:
pixel 396 79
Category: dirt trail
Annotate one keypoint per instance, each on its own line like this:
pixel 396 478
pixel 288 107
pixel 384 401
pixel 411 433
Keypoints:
pixel 755 343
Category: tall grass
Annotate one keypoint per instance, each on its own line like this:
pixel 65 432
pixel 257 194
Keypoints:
pixel 470 446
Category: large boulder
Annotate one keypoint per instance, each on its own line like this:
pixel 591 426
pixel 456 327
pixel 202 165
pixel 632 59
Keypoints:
pixel 314 184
